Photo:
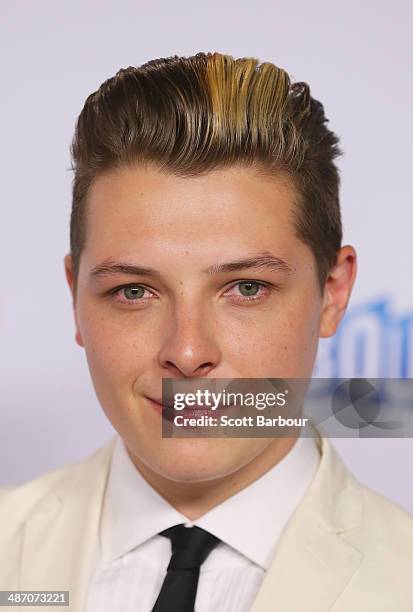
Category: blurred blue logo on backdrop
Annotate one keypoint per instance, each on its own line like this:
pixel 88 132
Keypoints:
pixel 372 341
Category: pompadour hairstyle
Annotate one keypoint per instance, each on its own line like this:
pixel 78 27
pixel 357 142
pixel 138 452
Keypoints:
pixel 191 115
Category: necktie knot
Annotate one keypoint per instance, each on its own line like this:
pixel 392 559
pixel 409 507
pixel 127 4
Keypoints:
pixel 190 546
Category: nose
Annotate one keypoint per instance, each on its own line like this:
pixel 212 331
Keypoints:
pixel 190 347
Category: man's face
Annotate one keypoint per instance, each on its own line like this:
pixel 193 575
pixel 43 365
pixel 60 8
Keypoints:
pixel 192 315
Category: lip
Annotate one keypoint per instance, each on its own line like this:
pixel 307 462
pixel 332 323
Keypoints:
pixel 158 406
pixel 159 402
pixel 168 412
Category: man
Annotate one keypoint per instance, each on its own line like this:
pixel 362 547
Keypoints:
pixel 205 242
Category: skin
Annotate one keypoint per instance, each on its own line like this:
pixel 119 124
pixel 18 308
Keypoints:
pixel 189 323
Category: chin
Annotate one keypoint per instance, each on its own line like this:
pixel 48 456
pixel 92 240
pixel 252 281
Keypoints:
pixel 200 459
pixel 200 473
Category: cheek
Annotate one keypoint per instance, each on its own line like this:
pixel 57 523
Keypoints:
pixel 300 339
pixel 117 349
pixel 283 343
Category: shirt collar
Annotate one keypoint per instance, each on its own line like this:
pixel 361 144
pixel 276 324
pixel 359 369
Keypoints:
pixel 251 521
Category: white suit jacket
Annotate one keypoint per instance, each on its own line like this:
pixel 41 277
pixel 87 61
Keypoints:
pixel 345 549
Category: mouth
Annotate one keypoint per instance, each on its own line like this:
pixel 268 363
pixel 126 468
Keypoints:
pixel 164 411
pixel 168 412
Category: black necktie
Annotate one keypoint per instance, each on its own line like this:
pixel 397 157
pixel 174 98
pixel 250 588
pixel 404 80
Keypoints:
pixel 190 548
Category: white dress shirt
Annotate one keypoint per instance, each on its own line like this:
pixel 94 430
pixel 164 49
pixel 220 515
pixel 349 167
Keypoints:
pixel 131 558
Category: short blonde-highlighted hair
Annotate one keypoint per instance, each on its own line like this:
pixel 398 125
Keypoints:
pixel 190 115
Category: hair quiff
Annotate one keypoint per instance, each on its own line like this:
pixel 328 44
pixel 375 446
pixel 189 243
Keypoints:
pixel 190 115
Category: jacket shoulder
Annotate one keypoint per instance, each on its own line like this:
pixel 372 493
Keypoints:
pixel 385 520
pixel 352 506
pixel 40 483
pixel 17 501
pixel 385 540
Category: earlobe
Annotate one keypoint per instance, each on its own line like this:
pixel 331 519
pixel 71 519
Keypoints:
pixel 337 291
pixel 69 271
pixel 329 321
pixel 71 282
pixel 78 337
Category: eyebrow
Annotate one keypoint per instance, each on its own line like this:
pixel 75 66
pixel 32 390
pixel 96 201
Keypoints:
pixel 262 261
pixel 110 267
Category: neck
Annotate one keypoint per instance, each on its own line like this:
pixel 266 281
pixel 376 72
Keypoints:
pixel 193 499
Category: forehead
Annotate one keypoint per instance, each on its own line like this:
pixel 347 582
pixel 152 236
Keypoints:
pixel 141 203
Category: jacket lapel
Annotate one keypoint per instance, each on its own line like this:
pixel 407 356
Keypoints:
pixel 60 537
pixel 313 563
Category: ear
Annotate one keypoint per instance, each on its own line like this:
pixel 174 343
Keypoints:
pixel 337 291
pixel 71 281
